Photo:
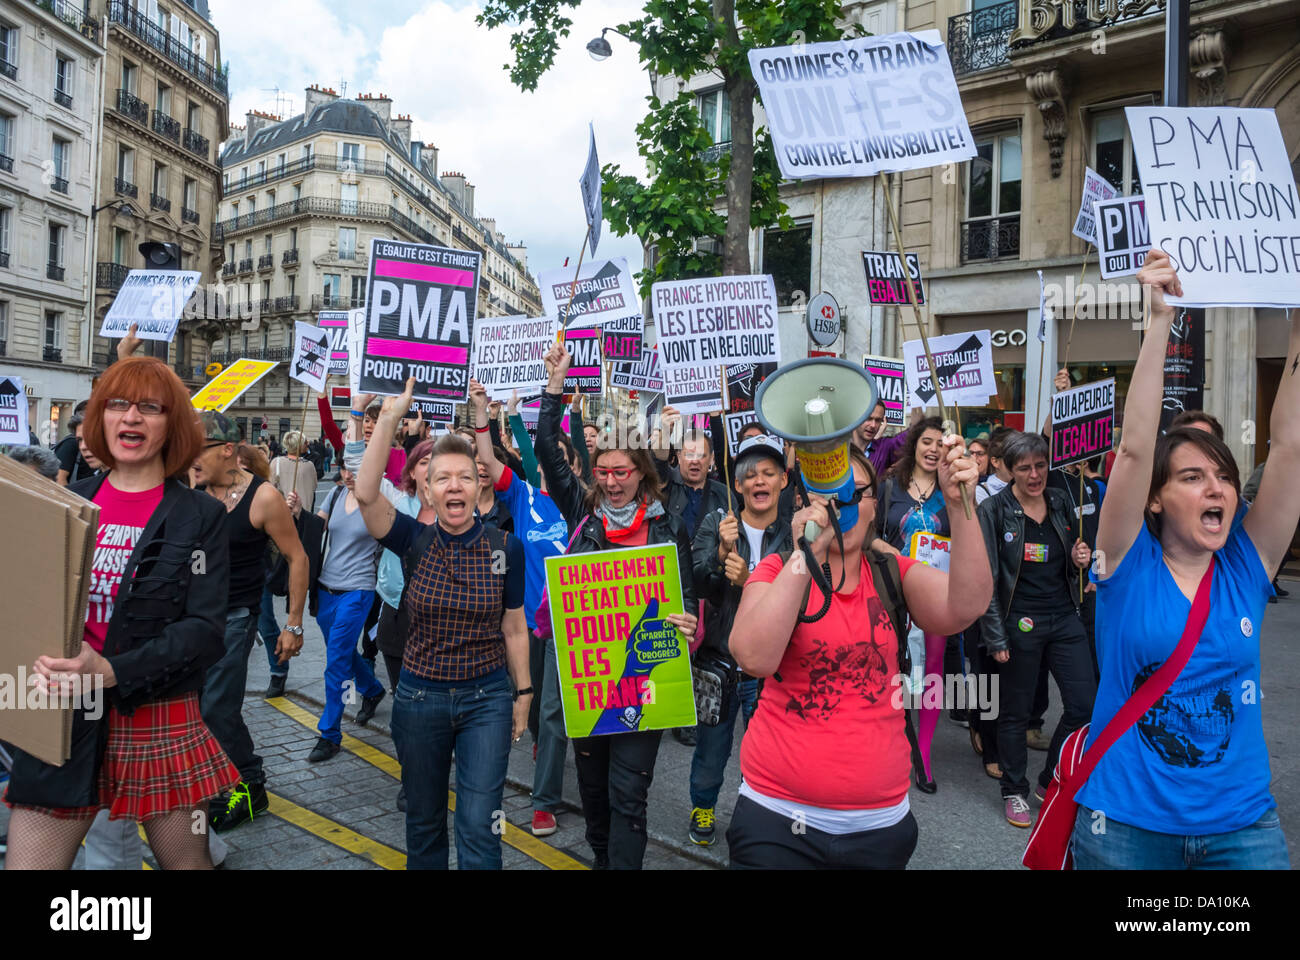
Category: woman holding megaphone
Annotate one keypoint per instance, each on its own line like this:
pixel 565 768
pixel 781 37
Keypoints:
pixel 826 760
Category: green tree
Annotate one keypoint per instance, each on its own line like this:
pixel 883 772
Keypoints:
pixel 685 38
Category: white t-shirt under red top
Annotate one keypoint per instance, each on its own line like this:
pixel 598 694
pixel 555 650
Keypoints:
pixel 122 519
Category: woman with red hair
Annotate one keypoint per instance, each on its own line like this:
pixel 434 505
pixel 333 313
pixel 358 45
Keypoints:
pixel 155 623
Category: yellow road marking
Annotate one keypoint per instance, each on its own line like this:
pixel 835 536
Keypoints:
pixel 521 840
pixel 337 834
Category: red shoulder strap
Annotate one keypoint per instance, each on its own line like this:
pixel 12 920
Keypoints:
pixel 1155 686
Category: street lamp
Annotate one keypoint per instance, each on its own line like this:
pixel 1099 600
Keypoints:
pixel 600 49
pixel 124 209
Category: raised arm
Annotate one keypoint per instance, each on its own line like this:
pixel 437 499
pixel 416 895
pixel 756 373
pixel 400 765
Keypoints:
pixel 1271 521
pixel 478 402
pixel 523 441
pixel 375 508
pixel 1130 478
pixel 563 486
pixel 579 436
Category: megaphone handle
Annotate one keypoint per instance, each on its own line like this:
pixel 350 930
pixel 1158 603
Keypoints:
pixel 811 531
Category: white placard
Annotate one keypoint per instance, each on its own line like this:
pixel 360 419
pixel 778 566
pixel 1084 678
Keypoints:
pixel 852 108
pixel 1095 187
pixel 13 412
pixel 604 291
pixel 356 342
pixel 153 300
pixel 965 365
pixel 1221 201
pixel 642 375
pixel 311 355
pixel 716 320
pixel 508 354
pixel 1123 237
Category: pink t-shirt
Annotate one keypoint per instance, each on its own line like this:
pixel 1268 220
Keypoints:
pixel 396 464
pixel 122 518
pixel 827 734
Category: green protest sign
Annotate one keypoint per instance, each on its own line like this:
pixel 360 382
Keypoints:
pixel 623 667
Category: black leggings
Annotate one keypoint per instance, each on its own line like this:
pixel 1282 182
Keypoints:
pixel 760 838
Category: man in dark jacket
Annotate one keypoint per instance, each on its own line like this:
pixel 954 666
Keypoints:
pixel 725 550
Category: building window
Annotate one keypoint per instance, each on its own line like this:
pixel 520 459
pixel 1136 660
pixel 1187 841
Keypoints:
pixel 164 102
pixel 194 116
pixel 306 152
pixel 787 256
pixel 7 142
pixel 279 162
pixel 130 77
pixel 266 295
pixel 331 285
pixel 348 198
pixel 261 170
pixel 126 165
pixel 53 330
pixel 1113 152
pixel 4 322
pixel 248 250
pixel 350 154
pixel 267 241
pixel 234 208
pixel 270 198
pixel 293 238
pixel 121 245
pixel 61 155
pixel 160 179
pixel 292 284
pixel 4 234
pixel 715 112
pixel 347 243
pixel 9 50
pixel 63 67
pixel 992 227
pixel 358 290
pixel 57 234
pixel 191 194
pixel 252 205
pixel 297 192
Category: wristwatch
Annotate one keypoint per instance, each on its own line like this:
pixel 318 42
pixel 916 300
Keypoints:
pixel 296 631
pixel 520 693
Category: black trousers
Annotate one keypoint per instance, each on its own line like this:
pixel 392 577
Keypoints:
pixel 536 668
pixel 614 776
pixel 984 668
pixel 762 839
pixel 1039 706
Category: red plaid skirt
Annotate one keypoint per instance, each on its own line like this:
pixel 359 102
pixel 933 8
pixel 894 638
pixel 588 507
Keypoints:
pixel 160 759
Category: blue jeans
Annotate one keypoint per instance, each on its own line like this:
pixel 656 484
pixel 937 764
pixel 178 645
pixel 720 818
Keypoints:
pixel 270 632
pixel 221 703
pixel 340 617
pixel 431 720
pixel 552 743
pixel 1260 846
pixel 713 747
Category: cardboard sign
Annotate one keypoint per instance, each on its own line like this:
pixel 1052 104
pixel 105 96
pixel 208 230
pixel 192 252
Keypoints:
pixel 1095 188
pixel 509 352
pixel 622 666
pixel 153 300
pixel 1184 368
pixel 705 323
pixel 604 291
pixel 885 281
pixel 224 389
pixel 13 412
pixel 931 549
pixel 336 322
pixel 642 375
pixel 624 338
pixel 964 364
pixel 589 184
pixel 1083 422
pixel 1222 202
pixel 419 319
pixel 735 424
pixel 434 411
pixel 888 374
pixel 852 108
pixel 743 381
pixel 311 355
pixel 694 389
pixel 585 373
pixel 356 343
pixel 1123 237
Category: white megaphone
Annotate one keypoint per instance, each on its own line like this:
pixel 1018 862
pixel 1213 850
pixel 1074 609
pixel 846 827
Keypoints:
pixel 816 404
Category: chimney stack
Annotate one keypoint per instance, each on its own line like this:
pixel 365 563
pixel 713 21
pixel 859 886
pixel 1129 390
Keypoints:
pixel 382 105
pixel 316 96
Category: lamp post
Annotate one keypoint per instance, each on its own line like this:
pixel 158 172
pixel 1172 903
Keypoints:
pixel 1177 15
pixel 600 49
pixel 124 209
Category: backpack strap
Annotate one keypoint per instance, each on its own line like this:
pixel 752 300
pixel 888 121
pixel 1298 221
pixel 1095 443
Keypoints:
pixel 887 577
pixel 330 501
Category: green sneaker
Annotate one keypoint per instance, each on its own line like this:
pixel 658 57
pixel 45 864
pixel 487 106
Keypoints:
pixel 244 804
pixel 702 826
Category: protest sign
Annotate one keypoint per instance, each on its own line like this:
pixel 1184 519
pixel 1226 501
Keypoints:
pixel 356 342
pixel 852 108
pixel 1184 368
pixel 642 375
pixel 508 354
pixel 151 299
pixel 622 666
pixel 336 322
pixel 604 291
pixel 888 374
pixel 964 363
pixel 1123 237
pixel 585 373
pixel 885 281
pixel 736 423
pixel 743 381
pixel 419 319
pixel 13 412
pixel 694 389
pixel 589 184
pixel 624 338
pixel 224 389
pixel 931 549
pixel 433 411
pixel 1095 187
pixel 311 355
pixel 1083 422
pixel 1221 201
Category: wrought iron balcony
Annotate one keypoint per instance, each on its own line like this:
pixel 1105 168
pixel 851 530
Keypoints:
pixel 4 348
pixel 228 269
pixel 74 16
pixel 54 271
pixel 994 238
pixel 160 203
pixel 195 143
pixel 189 216
pixel 4 259
pixel 110 276
pixel 331 302
pixel 52 355
pixel 285 304
pixel 124 188
pixel 63 99
pixel 60 184
pixel 6 163
pixel 246 265
pixel 266 261
pixel 129 105
pixel 8 69
pixel 978 40
pixel 289 258
pixel 167 126
pixel 137 23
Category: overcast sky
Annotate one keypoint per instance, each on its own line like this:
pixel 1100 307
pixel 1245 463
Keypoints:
pixel 522 151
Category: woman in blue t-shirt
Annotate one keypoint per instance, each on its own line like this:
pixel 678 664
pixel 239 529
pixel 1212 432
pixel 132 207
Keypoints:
pixel 1187 787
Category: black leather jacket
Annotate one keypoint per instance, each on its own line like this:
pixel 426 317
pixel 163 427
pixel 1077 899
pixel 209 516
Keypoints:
pixel 999 515
pixel 169 619
pixel 711 579
pixel 713 497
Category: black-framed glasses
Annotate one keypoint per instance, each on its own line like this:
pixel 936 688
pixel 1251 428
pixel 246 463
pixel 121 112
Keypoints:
pixel 147 408
pixel 860 494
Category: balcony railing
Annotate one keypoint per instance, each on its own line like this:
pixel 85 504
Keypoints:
pixel 72 14
pixel 8 69
pixel 324 207
pixel 63 99
pixel 6 163
pixel 160 203
pixel 52 355
pixel 289 258
pixel 60 184
pixel 196 143
pixel 167 126
pixel 128 104
pixel 189 216
pixel 228 269
pixel 978 40
pixel 266 261
pixel 110 276
pixel 54 271
pixel 4 259
pixel 246 265
pixel 155 36
pixel 330 302
pixel 285 304
pixel 124 188
pixel 994 238
pixel 465 238
pixel 714 153
pixel 225 358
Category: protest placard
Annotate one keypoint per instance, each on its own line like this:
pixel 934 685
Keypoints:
pixel 624 339
pixel 224 389
pixel 885 281
pixel 644 374
pixel 694 389
pixel 585 373
pixel 419 319
pixel 1095 187
pixel 622 666
pixel 1184 366
pixel 1221 201
pixel 1123 237
pixel 931 549
pixel 356 342
pixel 743 381
pixel 336 322
pixel 1083 422
pixel 604 291
pixel 151 299
pixel 311 355
pixel 433 411
pixel 964 363
pixel 888 374
pixel 13 412
pixel 852 108
pixel 735 423
pixel 509 352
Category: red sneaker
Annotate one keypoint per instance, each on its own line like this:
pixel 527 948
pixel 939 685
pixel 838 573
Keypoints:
pixel 543 823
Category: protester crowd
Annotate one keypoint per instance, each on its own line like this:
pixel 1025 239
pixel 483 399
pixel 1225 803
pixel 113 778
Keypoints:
pixel 430 550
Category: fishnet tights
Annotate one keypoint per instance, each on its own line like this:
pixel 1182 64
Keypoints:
pixel 38 841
